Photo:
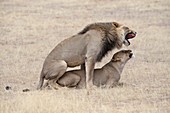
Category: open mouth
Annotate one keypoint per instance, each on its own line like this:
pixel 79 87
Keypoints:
pixel 130 36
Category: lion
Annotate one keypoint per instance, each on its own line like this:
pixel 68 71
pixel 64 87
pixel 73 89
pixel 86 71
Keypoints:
pixel 85 48
pixel 106 77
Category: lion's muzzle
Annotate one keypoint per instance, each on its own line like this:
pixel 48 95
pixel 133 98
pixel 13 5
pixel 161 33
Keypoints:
pixel 128 36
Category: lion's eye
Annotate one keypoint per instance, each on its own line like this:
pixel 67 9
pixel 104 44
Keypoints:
pixel 125 28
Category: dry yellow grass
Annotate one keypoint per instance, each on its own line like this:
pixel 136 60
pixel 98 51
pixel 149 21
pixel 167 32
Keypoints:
pixel 30 29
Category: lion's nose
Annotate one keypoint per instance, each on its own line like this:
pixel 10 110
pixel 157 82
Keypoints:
pixel 135 33
pixel 130 55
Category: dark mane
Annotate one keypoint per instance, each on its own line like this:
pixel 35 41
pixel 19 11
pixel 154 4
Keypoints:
pixel 109 42
pixel 109 39
pixel 103 26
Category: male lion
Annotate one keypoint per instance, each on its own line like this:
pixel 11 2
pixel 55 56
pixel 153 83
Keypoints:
pixel 107 76
pixel 87 47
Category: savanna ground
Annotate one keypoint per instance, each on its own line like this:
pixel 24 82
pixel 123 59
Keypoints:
pixel 30 29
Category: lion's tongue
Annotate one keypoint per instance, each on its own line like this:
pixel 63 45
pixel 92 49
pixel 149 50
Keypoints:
pixel 131 35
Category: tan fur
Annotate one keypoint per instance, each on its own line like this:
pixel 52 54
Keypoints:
pixel 87 47
pixel 107 76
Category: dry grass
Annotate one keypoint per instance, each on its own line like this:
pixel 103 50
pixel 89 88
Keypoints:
pixel 30 29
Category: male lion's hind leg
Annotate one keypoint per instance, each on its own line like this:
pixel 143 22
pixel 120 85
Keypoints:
pixel 41 81
pixel 69 80
pixel 54 71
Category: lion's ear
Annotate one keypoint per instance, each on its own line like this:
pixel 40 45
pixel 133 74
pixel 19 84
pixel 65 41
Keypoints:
pixel 116 24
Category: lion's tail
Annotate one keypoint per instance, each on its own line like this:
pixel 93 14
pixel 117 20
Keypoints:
pixel 41 81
